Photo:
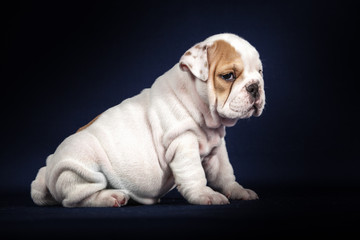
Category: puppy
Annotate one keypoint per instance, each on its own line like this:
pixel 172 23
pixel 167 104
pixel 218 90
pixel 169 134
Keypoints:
pixel 170 135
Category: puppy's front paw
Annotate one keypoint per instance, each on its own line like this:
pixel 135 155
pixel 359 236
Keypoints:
pixel 236 191
pixel 207 196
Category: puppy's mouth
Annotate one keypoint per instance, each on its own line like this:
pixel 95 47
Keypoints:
pixel 255 110
pixel 229 118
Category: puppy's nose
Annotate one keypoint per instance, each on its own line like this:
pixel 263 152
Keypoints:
pixel 253 90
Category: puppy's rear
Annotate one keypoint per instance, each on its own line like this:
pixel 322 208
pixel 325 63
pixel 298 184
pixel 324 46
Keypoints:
pixel 39 191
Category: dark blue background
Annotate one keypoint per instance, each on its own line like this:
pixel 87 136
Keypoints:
pixel 67 62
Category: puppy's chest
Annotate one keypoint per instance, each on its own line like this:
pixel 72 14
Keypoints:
pixel 209 142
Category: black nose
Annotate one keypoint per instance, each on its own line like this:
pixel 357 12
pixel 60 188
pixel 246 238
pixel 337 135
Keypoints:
pixel 253 89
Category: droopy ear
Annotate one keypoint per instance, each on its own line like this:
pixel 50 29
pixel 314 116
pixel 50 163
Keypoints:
pixel 195 60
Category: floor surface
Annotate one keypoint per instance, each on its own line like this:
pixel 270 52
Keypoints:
pixel 283 211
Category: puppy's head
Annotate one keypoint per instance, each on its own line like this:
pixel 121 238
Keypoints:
pixel 228 76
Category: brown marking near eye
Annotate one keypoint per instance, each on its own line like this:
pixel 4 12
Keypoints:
pixel 187 53
pixel 223 59
pixel 87 125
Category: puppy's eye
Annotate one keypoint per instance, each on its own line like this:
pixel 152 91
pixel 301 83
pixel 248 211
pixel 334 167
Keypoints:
pixel 260 71
pixel 228 77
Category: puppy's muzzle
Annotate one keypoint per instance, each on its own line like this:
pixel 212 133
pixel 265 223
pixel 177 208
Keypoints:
pixel 257 104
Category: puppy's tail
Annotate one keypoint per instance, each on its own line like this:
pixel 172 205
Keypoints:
pixel 39 192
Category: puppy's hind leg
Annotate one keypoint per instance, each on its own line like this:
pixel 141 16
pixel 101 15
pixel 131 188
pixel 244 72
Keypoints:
pixel 87 188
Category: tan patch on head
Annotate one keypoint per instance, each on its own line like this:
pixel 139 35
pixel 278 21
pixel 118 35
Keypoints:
pixel 223 59
pixel 87 125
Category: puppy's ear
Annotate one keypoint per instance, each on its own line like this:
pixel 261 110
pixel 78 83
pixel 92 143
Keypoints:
pixel 195 61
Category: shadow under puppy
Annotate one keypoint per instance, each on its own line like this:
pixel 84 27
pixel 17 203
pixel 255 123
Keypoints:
pixel 171 134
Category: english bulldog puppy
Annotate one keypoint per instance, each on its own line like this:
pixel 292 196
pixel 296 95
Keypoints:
pixel 170 135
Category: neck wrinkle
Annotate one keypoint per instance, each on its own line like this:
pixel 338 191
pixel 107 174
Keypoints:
pixel 201 112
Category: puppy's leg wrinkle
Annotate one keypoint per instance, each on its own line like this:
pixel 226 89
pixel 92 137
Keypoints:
pixel 77 192
pixel 72 189
pixel 189 174
pixel 78 186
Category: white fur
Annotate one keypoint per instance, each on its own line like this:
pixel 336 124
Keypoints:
pixel 169 135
